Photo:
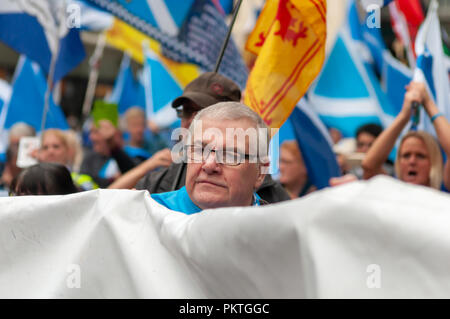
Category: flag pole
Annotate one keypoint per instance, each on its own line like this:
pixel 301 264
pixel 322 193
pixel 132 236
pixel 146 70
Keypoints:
pixel 51 72
pixel 227 38
pixel 94 63
pixel 50 77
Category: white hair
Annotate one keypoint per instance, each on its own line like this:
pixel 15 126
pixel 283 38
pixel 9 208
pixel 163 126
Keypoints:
pixel 233 111
pixel 21 129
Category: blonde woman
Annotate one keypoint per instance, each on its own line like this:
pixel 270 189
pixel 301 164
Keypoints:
pixel 419 160
pixel 57 147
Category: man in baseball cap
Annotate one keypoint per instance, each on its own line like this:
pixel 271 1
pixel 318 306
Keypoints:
pixel 208 89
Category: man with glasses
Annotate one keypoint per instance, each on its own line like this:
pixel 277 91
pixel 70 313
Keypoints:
pixel 208 89
pixel 226 155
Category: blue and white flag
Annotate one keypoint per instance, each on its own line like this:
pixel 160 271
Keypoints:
pixel 92 18
pixel 39 30
pixel 394 74
pixel 314 141
pixel 5 95
pixel 126 88
pixel 158 17
pixel 158 90
pixel 430 65
pixel 395 77
pixel 154 90
pixel 27 100
pixel 315 145
pixel 347 93
pixel 191 31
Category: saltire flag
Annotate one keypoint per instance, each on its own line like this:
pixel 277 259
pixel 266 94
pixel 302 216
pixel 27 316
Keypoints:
pixel 191 31
pixel 430 65
pixel 153 90
pixel 374 41
pixel 347 93
pixel 126 88
pixel 27 100
pixel 315 145
pixel 158 89
pixel 395 76
pixel 128 39
pixel 289 39
pixel 40 32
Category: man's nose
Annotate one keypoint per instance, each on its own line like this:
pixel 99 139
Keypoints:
pixel 210 164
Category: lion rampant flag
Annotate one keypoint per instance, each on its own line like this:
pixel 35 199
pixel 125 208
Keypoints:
pixel 289 40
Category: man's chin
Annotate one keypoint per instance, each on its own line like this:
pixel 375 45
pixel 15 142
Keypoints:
pixel 210 187
pixel 210 199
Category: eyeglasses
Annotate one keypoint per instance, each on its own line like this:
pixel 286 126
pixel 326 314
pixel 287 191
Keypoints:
pixel 199 154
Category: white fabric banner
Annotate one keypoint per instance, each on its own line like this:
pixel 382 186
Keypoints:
pixel 376 239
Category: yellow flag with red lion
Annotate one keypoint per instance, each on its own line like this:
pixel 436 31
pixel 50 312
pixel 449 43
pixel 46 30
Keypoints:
pixel 289 40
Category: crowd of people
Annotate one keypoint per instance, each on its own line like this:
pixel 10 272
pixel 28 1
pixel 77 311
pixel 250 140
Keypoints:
pixel 219 172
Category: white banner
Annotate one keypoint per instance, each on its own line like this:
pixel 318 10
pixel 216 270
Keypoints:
pixel 375 239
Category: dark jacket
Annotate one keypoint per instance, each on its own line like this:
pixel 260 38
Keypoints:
pixel 93 163
pixel 174 176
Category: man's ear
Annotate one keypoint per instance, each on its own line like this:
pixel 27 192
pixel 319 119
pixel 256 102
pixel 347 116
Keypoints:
pixel 263 169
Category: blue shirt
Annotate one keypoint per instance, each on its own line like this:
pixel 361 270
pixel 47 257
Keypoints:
pixel 180 201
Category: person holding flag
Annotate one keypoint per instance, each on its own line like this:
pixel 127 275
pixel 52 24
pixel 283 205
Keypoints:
pixel 419 159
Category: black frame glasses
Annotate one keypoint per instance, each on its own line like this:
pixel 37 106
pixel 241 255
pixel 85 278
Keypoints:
pixel 199 154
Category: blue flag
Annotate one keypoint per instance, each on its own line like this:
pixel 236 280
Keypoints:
pixel 27 100
pixel 126 88
pixel 158 89
pixel 227 6
pixel 5 95
pixel 394 74
pixel 315 145
pixel 191 31
pixel 36 33
pixel 153 91
pixel 347 93
pixel 430 67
